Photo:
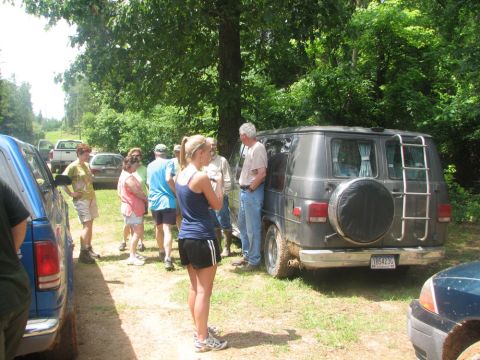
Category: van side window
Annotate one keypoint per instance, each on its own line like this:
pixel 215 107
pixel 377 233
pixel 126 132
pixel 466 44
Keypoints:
pixel 277 154
pixel 236 160
pixel 353 158
pixel 413 158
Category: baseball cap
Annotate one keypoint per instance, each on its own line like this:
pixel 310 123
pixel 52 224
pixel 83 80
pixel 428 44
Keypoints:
pixel 160 148
pixel 176 148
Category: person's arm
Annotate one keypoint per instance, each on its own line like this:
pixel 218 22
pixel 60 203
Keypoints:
pixel 170 176
pixel 227 182
pixel 214 197
pixel 18 234
pixel 69 171
pixel 134 186
pixel 258 179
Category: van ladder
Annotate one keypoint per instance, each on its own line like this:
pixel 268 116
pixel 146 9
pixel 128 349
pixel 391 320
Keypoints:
pixel 406 194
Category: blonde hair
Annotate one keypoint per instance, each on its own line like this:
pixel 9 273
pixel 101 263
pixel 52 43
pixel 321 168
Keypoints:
pixel 189 145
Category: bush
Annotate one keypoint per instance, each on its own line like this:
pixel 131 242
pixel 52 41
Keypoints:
pixel 465 204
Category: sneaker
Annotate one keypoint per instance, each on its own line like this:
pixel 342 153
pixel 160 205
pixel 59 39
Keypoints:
pixel 141 247
pixel 240 262
pixel 212 331
pixel 122 246
pixel 169 264
pixel 138 256
pixel 85 257
pixel 93 254
pixel 211 343
pixel 135 261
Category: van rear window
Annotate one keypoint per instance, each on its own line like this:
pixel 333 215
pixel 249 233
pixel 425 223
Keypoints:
pixel 413 157
pixel 353 158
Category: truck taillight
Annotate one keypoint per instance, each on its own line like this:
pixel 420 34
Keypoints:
pixel 444 213
pixel 47 265
pixel 317 212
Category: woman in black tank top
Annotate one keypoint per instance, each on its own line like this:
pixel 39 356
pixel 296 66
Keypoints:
pixel 199 250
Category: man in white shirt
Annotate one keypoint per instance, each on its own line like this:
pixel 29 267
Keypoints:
pixel 251 183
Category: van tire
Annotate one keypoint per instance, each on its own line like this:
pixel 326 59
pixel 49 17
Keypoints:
pixel 361 210
pixel 276 255
pixel 66 346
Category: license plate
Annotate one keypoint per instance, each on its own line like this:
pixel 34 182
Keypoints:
pixel 382 262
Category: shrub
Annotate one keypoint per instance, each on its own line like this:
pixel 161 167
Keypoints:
pixel 465 204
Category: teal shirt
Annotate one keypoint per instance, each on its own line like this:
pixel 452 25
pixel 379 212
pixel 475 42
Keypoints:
pixel 160 196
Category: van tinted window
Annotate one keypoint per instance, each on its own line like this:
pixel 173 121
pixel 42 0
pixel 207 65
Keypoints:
pixel 413 158
pixel 353 158
pixel 277 154
pixel 237 159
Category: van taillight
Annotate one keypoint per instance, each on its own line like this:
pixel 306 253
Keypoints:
pixel 317 212
pixel 47 265
pixel 444 213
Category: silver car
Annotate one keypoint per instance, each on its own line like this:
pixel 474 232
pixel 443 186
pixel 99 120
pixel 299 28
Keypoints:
pixel 106 168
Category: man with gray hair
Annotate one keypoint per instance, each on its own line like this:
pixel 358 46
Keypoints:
pixel 251 183
pixel 219 166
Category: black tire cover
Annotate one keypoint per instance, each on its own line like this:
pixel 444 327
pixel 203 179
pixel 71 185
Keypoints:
pixel 361 210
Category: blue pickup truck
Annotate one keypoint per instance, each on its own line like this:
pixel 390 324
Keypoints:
pixel 46 252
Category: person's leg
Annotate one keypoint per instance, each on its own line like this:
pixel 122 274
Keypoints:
pixel 159 237
pixel 204 281
pixel 126 237
pixel 167 239
pixel 13 332
pixel 223 218
pixel 192 293
pixel 137 233
pixel 242 225
pixel 253 211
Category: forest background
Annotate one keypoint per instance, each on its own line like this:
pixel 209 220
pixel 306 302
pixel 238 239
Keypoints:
pixel 151 71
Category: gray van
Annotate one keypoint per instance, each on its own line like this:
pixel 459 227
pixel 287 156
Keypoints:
pixel 344 196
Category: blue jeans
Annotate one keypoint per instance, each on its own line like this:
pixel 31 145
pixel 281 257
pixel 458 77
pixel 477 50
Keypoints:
pixel 221 218
pixel 250 224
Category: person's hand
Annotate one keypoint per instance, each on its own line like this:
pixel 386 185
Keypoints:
pixel 76 194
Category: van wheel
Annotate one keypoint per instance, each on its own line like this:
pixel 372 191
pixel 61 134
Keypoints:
pixel 276 254
pixel 66 346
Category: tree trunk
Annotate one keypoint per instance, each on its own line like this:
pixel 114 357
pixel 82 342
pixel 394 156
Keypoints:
pixel 229 71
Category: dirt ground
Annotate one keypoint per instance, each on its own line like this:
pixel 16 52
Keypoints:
pixel 126 313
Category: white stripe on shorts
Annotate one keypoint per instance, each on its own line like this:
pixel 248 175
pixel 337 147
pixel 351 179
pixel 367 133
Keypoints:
pixel 212 251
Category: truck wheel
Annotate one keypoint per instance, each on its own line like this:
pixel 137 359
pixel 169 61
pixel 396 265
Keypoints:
pixel 471 353
pixel 66 346
pixel 276 254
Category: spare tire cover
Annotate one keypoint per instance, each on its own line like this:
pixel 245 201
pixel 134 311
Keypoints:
pixel 361 210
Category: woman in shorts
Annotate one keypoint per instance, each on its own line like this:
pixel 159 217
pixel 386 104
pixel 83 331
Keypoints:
pixel 197 244
pixel 133 205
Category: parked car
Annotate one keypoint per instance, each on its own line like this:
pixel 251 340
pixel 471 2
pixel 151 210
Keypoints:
pixel 106 168
pixel 63 154
pixel 44 147
pixel 46 252
pixel 343 196
pixel 444 323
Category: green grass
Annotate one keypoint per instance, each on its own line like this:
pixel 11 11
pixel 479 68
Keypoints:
pixel 53 136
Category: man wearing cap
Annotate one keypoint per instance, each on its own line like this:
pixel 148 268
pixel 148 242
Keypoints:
pixel 161 200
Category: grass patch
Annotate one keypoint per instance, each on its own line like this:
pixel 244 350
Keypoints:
pixel 54 136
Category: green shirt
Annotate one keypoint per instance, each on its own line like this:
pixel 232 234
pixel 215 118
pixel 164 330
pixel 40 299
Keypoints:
pixel 141 175
pixel 14 283
pixel 81 179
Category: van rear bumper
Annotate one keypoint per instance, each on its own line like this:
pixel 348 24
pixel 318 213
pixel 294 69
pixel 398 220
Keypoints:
pixel 39 335
pixel 355 257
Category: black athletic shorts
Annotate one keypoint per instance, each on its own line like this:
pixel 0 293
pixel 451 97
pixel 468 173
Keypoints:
pixel 199 253
pixel 165 216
